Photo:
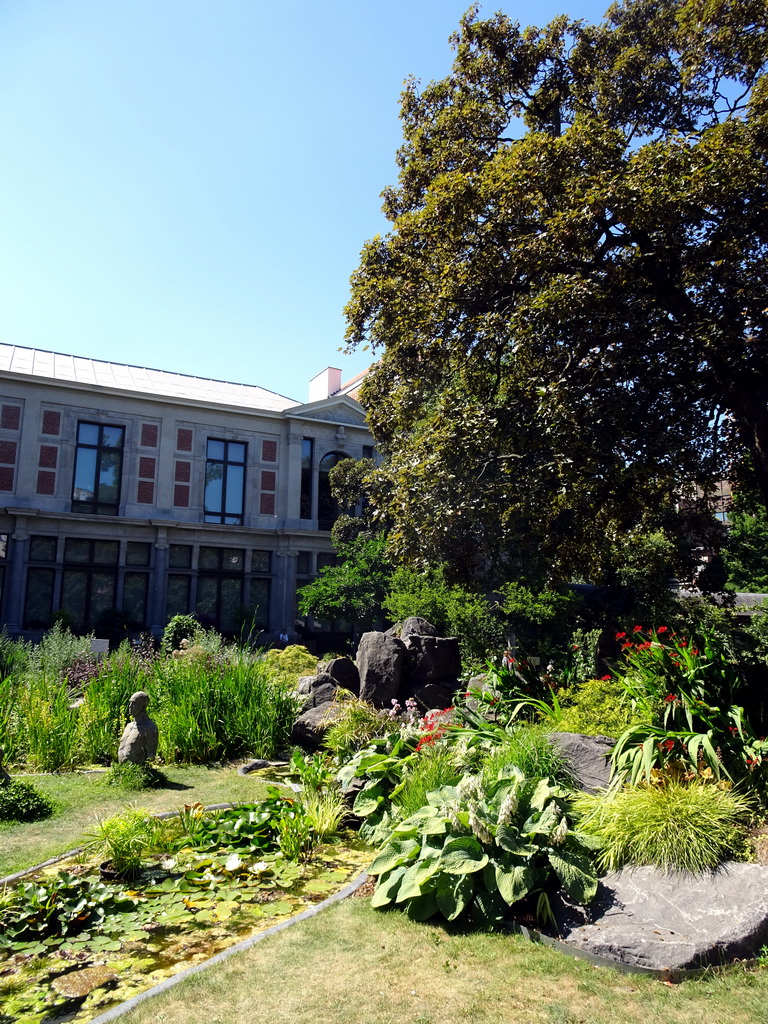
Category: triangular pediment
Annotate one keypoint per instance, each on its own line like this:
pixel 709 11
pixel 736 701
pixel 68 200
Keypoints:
pixel 336 409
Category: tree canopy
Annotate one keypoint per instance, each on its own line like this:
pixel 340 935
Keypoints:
pixel 570 307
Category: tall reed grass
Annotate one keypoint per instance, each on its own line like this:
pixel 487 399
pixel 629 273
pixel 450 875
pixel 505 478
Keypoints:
pixel 220 706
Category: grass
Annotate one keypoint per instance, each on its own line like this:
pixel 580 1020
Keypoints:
pixel 354 965
pixel 82 799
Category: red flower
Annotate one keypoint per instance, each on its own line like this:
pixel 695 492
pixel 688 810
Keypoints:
pixel 605 678
pixel 669 698
pixel 694 650
pixel 668 745
pixel 662 629
pixel 625 646
pixel 637 629
pixel 620 636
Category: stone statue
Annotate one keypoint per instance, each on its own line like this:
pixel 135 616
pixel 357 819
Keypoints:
pixel 139 741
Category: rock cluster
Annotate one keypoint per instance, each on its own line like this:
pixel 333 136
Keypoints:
pixel 412 662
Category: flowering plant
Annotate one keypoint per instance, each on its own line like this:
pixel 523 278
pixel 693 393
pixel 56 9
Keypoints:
pixel 685 689
pixel 474 851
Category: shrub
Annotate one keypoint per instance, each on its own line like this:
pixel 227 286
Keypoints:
pixel 429 771
pixel 358 723
pixel 21 801
pixel 476 850
pixel 599 707
pixel 294 660
pixel 673 826
pixel 124 839
pixel 180 627
pixel 529 749
pixel 127 775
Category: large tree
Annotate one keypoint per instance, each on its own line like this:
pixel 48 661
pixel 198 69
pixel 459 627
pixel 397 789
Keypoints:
pixel 570 307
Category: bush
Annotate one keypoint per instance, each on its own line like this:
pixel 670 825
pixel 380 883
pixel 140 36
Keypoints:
pixel 599 707
pixel 434 768
pixel 180 627
pixel 294 660
pixel 674 826
pixel 21 801
pixel 127 775
pixel 529 749
pixel 358 723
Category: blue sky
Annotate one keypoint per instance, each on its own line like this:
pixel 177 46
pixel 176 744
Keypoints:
pixel 187 184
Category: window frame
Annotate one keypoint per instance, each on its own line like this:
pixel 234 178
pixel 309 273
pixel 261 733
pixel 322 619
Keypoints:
pixel 221 515
pixel 95 505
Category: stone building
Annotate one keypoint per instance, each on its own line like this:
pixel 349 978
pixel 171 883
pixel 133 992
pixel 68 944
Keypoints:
pixel 128 495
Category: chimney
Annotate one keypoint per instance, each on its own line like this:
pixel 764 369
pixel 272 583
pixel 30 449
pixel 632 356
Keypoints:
pixel 325 384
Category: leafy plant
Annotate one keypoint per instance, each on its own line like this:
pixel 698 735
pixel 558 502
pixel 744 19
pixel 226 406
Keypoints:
pixel 675 826
pixel 357 724
pixel 124 839
pixel 126 775
pixel 423 774
pixel 599 707
pixel 21 801
pixel 179 627
pixel 476 850
pixel 528 748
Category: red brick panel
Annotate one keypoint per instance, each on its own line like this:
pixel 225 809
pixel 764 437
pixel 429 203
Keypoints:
pixel 6 478
pixel 149 435
pixel 146 492
pixel 269 451
pixel 267 505
pixel 183 472
pixel 268 478
pixel 46 482
pixel 146 468
pixel 8 453
pixel 49 457
pixel 51 422
pixel 10 417
pixel 184 440
pixel 181 496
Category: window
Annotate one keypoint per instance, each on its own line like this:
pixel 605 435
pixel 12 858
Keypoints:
pixel 327 506
pixel 307 460
pixel 89 581
pixel 225 482
pixel 220 587
pixel 98 469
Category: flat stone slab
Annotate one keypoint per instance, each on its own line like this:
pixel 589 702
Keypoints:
pixel 647 918
pixel 587 757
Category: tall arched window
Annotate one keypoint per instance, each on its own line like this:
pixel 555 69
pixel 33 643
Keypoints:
pixel 327 506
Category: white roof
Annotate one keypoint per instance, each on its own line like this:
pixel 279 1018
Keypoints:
pixel 55 366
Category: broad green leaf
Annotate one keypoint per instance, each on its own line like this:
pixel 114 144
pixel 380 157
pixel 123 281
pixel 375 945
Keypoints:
pixel 422 907
pixel 576 873
pixel 392 855
pixel 463 855
pixel 367 801
pixel 514 883
pixel 453 893
pixel 386 888
pixel 508 838
pixel 410 886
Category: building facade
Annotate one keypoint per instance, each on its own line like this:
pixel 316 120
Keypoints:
pixel 129 495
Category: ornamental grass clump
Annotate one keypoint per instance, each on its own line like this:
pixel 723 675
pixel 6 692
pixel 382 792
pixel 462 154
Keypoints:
pixel 675 826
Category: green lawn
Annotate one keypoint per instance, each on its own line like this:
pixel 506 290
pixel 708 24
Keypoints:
pixel 81 799
pixel 355 965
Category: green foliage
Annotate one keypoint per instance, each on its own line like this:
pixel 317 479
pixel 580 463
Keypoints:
pixel 21 801
pixel 355 589
pixel 294 660
pixel 126 775
pixel 434 768
pixel 599 707
pixel 124 839
pixel 475 850
pixel 565 307
pixel 358 723
pixel 454 610
pixel 674 826
pixel 746 550
pixel 683 693
pixel 541 618
pixel 529 749
pixel 757 630
pixel 180 627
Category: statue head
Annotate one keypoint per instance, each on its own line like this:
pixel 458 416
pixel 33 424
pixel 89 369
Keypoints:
pixel 138 703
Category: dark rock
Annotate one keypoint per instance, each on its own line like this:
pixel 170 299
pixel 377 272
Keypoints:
pixel 311 726
pixel 343 672
pixel 432 659
pixel 323 690
pixel 416 626
pixel 432 696
pixel 650 918
pixel 380 662
pixel 305 684
pixel 252 766
pixel 587 757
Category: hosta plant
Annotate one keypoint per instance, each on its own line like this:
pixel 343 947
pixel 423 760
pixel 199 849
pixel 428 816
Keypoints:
pixel 473 852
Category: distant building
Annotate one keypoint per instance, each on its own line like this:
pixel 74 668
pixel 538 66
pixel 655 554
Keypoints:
pixel 131 495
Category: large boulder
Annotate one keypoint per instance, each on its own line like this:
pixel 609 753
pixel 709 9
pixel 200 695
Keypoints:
pixel 380 662
pixel 310 728
pixel 322 691
pixel 587 758
pixel 432 659
pixel 651 918
pixel 416 626
pixel 343 672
